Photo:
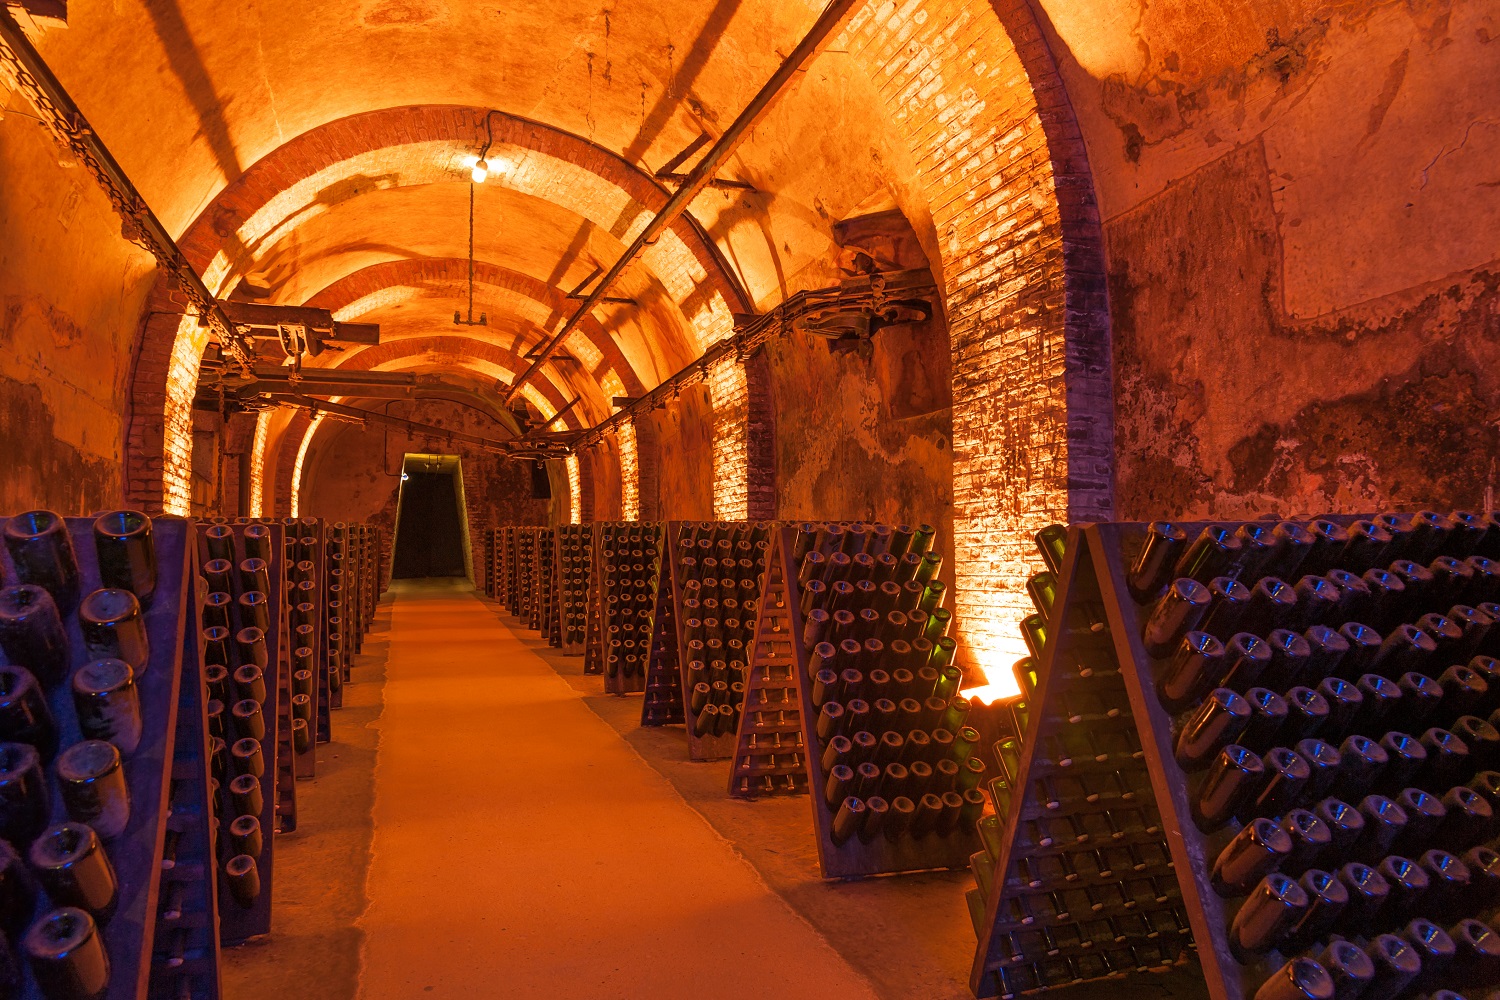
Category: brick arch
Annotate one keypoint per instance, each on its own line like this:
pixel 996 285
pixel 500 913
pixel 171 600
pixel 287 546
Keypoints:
pixel 386 355
pixel 1002 164
pixel 158 436
pixel 372 280
pixel 300 434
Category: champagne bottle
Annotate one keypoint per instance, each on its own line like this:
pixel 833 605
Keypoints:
pixel 1368 892
pixel 1267 916
pixel 245 836
pixel 1408 882
pixel 1396 966
pixel 108 703
pixel 114 627
pixel 91 780
pixel 1447 880
pixel 243 878
pixel 1256 851
pixel 244 790
pixel 24 714
pixel 1299 979
pixel 67 956
pixel 1247 658
pixel 1327 898
pixel 1349 966
pixel 1231 785
pixel 1160 552
pixel 1215 552
pixel 1362 762
pixel 1178 612
pixel 1383 823
pixel 1229 601
pixel 24 801
pixel 1268 711
pixel 1196 667
pixel 42 551
pixel 31 633
pixel 1476 961
pixel 1433 946
pixel 127 555
pixel 1215 724
pixel 71 864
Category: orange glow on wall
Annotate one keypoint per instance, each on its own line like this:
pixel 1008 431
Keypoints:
pixel 630 474
pixel 307 437
pixel 730 396
pixel 258 464
pixel 575 490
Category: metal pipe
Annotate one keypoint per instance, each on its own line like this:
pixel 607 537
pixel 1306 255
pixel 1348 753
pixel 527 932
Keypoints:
pixel 139 224
pixel 356 415
pixel 830 20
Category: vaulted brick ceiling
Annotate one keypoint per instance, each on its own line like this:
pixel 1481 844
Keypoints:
pixel 294 145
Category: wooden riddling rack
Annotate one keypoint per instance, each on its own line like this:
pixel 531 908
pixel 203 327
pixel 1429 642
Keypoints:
pixel 343 603
pixel 662 704
pixel 307 699
pixel 239 922
pixel 491 562
pixel 924 820
pixel 575 548
pixel 543 582
pixel 629 559
pixel 769 741
pixel 525 596
pixel 510 594
pixel 712 619
pixel 1445 680
pixel 593 642
pixel 162 940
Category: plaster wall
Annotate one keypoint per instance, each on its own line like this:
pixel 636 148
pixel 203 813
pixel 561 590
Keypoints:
pixel 1301 216
pixel 71 292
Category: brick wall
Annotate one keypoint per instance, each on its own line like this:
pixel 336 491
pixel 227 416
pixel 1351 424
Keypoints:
pixel 1007 179
pixel 760 423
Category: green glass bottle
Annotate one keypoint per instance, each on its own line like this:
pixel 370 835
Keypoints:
pixel 1052 543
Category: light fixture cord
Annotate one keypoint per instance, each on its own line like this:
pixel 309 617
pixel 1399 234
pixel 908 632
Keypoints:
pixel 471 250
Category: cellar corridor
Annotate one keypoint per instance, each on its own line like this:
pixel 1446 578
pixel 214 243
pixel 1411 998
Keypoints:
pixel 521 848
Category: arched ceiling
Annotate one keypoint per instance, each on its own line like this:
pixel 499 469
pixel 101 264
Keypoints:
pixel 293 146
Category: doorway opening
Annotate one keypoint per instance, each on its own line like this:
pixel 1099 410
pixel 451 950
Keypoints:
pixel 432 524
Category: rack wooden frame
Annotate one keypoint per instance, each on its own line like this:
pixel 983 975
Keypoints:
pixel 566 606
pixel 278 794
pixel 772 667
pixel 173 747
pixel 663 704
pixel 1096 567
pixel 1079 584
pixel 854 858
pixel 620 684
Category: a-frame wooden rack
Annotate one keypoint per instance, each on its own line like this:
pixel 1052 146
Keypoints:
pixel 1095 706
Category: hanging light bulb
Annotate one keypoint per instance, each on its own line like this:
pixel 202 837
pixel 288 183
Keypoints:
pixel 481 170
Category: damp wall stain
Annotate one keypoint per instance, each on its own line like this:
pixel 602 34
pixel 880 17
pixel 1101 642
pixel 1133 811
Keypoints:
pixel 1228 407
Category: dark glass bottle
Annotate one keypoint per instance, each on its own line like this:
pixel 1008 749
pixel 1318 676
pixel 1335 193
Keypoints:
pixel 25 716
pixel 71 864
pixel 114 627
pixel 67 955
pixel 31 633
pixel 108 703
pixel 25 804
pixel 1160 552
pixel 42 551
pixel 91 780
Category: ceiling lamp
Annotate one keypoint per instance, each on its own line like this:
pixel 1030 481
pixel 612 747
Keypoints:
pixel 481 170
